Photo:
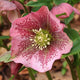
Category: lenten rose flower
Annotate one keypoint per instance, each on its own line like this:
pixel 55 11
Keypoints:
pixel 64 8
pixel 38 40
pixel 11 9
pixel 15 68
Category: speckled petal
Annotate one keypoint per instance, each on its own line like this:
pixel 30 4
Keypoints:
pixel 12 15
pixel 54 24
pixel 42 60
pixel 62 42
pixel 20 44
pixel 6 5
pixel 64 8
pixel 47 20
pixel 23 26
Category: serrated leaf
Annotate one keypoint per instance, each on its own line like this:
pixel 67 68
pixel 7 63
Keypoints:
pixel 35 4
pixel 67 20
pixel 73 34
pixel 5 57
pixel 57 2
pixel 75 49
pixel 4 37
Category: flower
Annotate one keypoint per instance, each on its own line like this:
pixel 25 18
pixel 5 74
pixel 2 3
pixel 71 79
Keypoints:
pixel 15 68
pixel 64 8
pixel 11 9
pixel 38 40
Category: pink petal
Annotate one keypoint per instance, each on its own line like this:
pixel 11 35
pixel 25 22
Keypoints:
pixel 19 5
pixel 64 8
pixel 42 60
pixel 6 6
pixel 22 48
pixel 23 26
pixel 34 20
pixel 47 19
pixel 42 15
pixel 76 11
pixel 12 15
pixel 62 42
pixel 54 24
pixel 20 44
pixel 42 18
pixel 15 68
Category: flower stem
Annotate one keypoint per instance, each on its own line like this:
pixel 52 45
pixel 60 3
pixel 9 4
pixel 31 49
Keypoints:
pixel 48 75
pixel 71 68
pixel 78 71
pixel 77 64
pixel 69 26
pixel 31 74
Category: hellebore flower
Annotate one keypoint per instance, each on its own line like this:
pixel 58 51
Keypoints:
pixel 11 9
pixel 38 40
pixel 64 8
pixel 15 68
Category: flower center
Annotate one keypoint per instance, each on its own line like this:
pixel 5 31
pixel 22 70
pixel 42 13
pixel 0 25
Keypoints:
pixel 42 38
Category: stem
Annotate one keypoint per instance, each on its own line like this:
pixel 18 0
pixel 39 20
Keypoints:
pixel 12 77
pixel 5 47
pixel 48 75
pixel 69 26
pixel 31 74
pixel 71 68
pixel 78 71
pixel 77 65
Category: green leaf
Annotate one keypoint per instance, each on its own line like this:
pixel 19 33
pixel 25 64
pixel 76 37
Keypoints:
pixel 5 57
pixel 63 71
pixel 57 2
pixel 12 77
pixel 75 49
pixel 1 42
pixel 60 14
pixel 24 14
pixel 34 71
pixel 35 9
pixel 72 2
pixel 64 64
pixel 22 1
pixel 67 20
pixel 4 37
pixel 44 1
pixel 35 4
pixel 71 33
pixel 23 67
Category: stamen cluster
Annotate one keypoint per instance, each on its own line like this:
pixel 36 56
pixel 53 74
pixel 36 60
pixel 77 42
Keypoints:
pixel 41 39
